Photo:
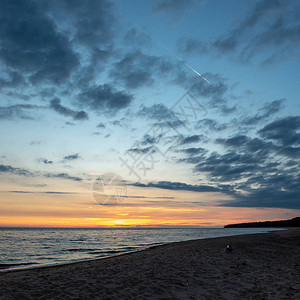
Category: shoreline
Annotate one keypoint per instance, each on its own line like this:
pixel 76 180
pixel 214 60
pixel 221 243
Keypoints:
pixel 143 248
pixel 262 266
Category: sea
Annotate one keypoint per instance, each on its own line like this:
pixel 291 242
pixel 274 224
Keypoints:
pixel 23 248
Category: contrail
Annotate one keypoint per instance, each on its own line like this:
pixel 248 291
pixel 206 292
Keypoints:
pixel 168 50
pixel 196 72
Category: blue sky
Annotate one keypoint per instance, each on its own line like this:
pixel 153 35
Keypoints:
pixel 87 85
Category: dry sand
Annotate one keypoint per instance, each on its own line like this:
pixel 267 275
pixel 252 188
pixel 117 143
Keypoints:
pixel 261 266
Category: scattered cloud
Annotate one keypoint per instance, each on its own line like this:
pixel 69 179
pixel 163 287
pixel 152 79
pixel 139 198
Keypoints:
pixel 18 111
pixel 104 98
pixel 269 30
pixel 191 139
pixel 72 157
pixel 168 185
pixel 40 192
pixel 101 125
pixel 24 172
pixel 62 110
pixel 46 161
pixel 13 170
pixel 63 176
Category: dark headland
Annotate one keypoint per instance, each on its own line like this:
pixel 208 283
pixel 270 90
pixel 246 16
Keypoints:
pixel 295 222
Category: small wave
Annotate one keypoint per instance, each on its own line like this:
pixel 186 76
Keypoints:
pixel 5 266
pixel 77 250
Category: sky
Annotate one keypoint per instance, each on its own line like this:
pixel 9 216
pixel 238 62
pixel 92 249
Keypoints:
pixel 149 113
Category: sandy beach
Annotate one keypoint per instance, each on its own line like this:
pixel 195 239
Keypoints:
pixel 261 266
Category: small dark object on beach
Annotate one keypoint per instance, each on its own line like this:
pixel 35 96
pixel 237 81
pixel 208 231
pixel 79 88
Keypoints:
pixel 229 248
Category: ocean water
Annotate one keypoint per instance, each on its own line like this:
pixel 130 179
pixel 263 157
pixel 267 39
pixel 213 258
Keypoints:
pixel 22 248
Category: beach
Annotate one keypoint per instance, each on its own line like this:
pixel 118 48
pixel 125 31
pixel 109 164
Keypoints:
pixel 260 266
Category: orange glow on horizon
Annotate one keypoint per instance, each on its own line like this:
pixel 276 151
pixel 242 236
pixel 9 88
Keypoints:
pixel 80 210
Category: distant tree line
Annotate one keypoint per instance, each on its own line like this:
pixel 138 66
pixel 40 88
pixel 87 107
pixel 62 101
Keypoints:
pixel 295 222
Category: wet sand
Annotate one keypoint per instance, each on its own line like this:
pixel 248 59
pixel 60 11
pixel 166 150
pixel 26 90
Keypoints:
pixel 261 266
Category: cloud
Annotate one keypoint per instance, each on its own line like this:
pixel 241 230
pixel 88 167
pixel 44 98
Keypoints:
pixel 212 125
pixel 137 69
pixel 47 162
pixel 264 113
pixel 24 172
pixel 269 30
pixel 104 98
pixel 62 110
pixel 145 150
pixel 283 131
pixel 136 37
pixel 208 96
pixel 101 125
pixel 157 112
pixel 259 12
pixel 72 157
pixel 92 21
pixel 168 185
pixel 18 111
pixel 63 176
pixel 150 140
pixel 40 192
pixel 31 44
pixel 12 80
pixel 193 151
pixel 257 170
pixel 191 139
pixel 276 190
pixel 17 171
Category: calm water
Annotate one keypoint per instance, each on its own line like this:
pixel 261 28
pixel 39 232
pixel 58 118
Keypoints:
pixel 25 248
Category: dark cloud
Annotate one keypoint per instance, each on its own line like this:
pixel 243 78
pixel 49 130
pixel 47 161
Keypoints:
pixel 72 157
pixel 63 176
pixel 137 69
pixel 40 192
pixel 168 185
pixel 208 96
pixel 145 150
pixel 13 80
pixel 257 171
pixel 150 140
pixel 62 110
pixel 157 112
pixel 212 125
pixel 283 131
pixel 104 98
pixel 24 172
pixel 31 44
pixel 193 151
pixel 191 139
pixel 13 170
pixel 91 21
pixel 264 113
pixel 47 162
pixel 275 190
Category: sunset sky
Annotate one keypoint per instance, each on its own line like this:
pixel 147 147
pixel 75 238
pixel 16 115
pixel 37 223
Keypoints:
pixel 97 90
